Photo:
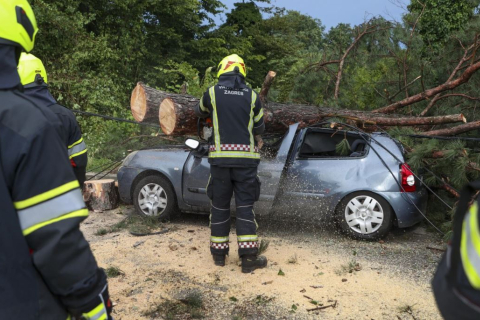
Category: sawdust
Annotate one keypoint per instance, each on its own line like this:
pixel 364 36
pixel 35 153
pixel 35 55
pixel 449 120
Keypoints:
pixel 164 267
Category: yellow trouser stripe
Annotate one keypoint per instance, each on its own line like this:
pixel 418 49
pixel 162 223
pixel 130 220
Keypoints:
pixel 46 195
pixel 219 239
pixel 250 237
pixel 75 143
pixel 75 214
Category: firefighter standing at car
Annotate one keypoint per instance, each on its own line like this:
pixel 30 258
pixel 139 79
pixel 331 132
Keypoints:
pixel 47 270
pixel 34 80
pixel 237 117
pixel 456 284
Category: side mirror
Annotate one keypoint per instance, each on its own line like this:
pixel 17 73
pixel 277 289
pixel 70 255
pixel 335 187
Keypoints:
pixel 192 143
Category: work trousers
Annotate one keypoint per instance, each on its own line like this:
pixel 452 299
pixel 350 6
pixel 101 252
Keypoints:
pixel 223 183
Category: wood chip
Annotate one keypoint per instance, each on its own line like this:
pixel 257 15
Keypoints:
pixel 344 280
pixel 267 282
pixel 138 243
pixel 303 290
pixel 316 287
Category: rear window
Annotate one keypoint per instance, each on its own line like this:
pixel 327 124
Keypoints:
pixel 327 143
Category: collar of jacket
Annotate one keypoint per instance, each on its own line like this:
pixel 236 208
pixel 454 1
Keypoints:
pixel 232 80
pixel 9 78
pixel 40 95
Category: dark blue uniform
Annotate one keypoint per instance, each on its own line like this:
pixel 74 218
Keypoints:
pixel 237 116
pixel 47 270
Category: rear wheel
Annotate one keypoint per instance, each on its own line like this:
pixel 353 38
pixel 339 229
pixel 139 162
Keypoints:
pixel 365 215
pixel 153 196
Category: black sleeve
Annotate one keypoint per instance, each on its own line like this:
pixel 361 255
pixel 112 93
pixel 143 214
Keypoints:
pixel 50 208
pixel 259 124
pixel 202 109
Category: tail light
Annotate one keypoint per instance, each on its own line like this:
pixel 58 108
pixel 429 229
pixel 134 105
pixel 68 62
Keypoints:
pixel 408 179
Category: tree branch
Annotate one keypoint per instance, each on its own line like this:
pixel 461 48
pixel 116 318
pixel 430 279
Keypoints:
pixel 465 77
pixel 454 130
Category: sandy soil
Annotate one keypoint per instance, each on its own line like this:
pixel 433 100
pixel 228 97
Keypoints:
pixel 391 280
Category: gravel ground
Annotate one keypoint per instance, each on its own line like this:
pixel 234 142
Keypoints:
pixel 161 276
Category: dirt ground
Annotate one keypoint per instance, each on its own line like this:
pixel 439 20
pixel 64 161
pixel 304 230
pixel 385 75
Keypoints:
pixel 172 276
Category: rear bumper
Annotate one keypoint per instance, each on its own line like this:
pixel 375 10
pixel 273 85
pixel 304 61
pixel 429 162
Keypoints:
pixel 405 210
pixel 125 177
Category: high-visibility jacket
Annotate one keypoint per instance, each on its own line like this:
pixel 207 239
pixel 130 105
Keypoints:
pixel 47 270
pixel 456 283
pixel 71 133
pixel 237 116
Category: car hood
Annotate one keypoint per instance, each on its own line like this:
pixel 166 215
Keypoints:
pixel 158 157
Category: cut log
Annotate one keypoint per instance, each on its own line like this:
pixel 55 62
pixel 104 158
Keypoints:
pixel 100 195
pixel 177 115
pixel 145 102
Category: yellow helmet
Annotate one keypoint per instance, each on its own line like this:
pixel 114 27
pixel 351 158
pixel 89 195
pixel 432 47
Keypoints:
pixel 31 70
pixel 230 63
pixel 18 26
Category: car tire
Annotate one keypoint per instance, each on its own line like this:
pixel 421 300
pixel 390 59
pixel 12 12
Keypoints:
pixel 153 196
pixel 364 215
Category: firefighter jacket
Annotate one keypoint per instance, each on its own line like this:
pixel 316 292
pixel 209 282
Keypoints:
pixel 71 133
pixel 237 116
pixel 47 270
pixel 456 284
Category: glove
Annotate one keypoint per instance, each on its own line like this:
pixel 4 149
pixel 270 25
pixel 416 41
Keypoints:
pixel 99 308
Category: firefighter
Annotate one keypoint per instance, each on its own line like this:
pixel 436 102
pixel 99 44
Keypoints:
pixel 456 284
pixel 237 117
pixel 47 270
pixel 34 80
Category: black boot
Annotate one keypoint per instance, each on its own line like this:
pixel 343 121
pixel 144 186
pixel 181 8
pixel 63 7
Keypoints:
pixel 252 262
pixel 219 260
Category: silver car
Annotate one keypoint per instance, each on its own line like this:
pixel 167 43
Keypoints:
pixel 367 191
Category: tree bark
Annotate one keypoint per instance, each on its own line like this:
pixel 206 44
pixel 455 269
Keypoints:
pixel 453 131
pixel 266 87
pixel 100 195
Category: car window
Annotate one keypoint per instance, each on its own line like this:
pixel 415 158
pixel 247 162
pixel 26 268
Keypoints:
pixel 326 143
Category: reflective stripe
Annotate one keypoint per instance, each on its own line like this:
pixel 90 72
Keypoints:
pixel 76 149
pixel 230 154
pixel 99 313
pixel 53 208
pixel 218 239
pixel 77 154
pixel 470 247
pixel 221 222
pixel 247 238
pixel 215 118
pixel 250 123
pixel 259 116
pixel 202 107
pixel 75 214
pixel 46 195
pixel 76 142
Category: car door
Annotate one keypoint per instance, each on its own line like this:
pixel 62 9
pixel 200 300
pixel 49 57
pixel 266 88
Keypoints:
pixel 314 184
pixel 197 171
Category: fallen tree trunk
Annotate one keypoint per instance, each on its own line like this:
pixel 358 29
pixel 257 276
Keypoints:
pixel 177 116
pixel 100 195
